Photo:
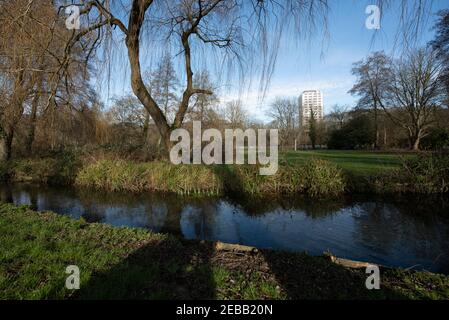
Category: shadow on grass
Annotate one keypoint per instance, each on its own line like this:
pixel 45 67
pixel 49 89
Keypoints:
pixel 162 270
pixel 305 277
pixel 185 270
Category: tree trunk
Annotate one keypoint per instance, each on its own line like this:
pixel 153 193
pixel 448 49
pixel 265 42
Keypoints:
pixel 6 138
pixel 146 126
pixel 132 43
pixel 34 106
pixel 32 129
pixel 3 155
pixel 416 143
pixel 376 127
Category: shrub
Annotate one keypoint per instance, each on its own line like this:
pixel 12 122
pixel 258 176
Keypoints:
pixel 320 177
pixel 356 134
pixel 427 173
pixel 33 170
pixel 438 139
pixel 60 169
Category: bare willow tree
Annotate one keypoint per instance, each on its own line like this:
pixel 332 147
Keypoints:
pixel 236 35
pixel 32 40
pixel 23 63
pixel 232 32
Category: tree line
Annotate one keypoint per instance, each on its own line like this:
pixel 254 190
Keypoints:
pixel 402 102
pixel 48 72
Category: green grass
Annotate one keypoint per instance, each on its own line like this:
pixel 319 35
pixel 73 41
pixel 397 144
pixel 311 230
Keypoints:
pixel 360 163
pixel 314 173
pixel 36 248
pixel 314 177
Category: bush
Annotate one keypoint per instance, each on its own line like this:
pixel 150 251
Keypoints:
pixel 61 169
pixel 320 177
pixel 33 170
pixel 427 173
pixel 438 139
pixel 356 134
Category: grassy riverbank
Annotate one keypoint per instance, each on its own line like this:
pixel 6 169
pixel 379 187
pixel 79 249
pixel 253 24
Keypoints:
pixel 359 163
pixel 36 248
pixel 314 173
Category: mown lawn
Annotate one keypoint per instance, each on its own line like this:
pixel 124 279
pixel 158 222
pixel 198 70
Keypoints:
pixel 36 248
pixel 355 162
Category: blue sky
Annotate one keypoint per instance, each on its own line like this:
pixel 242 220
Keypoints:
pixel 324 63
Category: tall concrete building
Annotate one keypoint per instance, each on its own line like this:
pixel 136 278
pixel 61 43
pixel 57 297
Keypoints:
pixel 310 101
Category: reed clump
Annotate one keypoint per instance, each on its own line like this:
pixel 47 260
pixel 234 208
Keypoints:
pixel 315 178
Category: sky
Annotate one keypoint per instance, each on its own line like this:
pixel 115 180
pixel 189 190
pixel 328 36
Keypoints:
pixel 323 63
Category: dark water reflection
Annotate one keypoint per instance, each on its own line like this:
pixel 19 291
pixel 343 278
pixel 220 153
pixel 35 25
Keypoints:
pixel 400 231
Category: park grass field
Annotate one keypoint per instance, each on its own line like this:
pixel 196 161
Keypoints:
pixel 359 163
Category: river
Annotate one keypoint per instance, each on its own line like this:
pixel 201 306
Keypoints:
pixel 401 231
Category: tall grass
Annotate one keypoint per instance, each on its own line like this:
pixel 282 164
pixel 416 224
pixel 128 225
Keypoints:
pixel 120 175
pixel 428 173
pixel 316 177
pixel 425 174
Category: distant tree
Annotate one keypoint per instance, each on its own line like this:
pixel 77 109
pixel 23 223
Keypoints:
pixel 339 115
pixel 373 78
pixel 128 111
pixel 164 85
pixel 416 90
pixel 441 46
pixel 284 113
pixel 313 129
pixel 355 134
pixel 235 115
pixel 203 103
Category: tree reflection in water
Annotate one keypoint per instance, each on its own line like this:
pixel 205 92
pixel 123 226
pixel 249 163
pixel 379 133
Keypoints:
pixel 398 231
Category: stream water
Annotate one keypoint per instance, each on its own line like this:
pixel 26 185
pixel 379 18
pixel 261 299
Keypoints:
pixel 408 232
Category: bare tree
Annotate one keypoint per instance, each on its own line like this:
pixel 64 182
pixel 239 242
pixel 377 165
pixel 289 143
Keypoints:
pixel 202 104
pixel 232 31
pixel 339 114
pixel 285 113
pixel 163 86
pixel 235 115
pixel 373 78
pixel 32 39
pixel 237 34
pixel 127 110
pixel 21 57
pixel 441 46
pixel 416 90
